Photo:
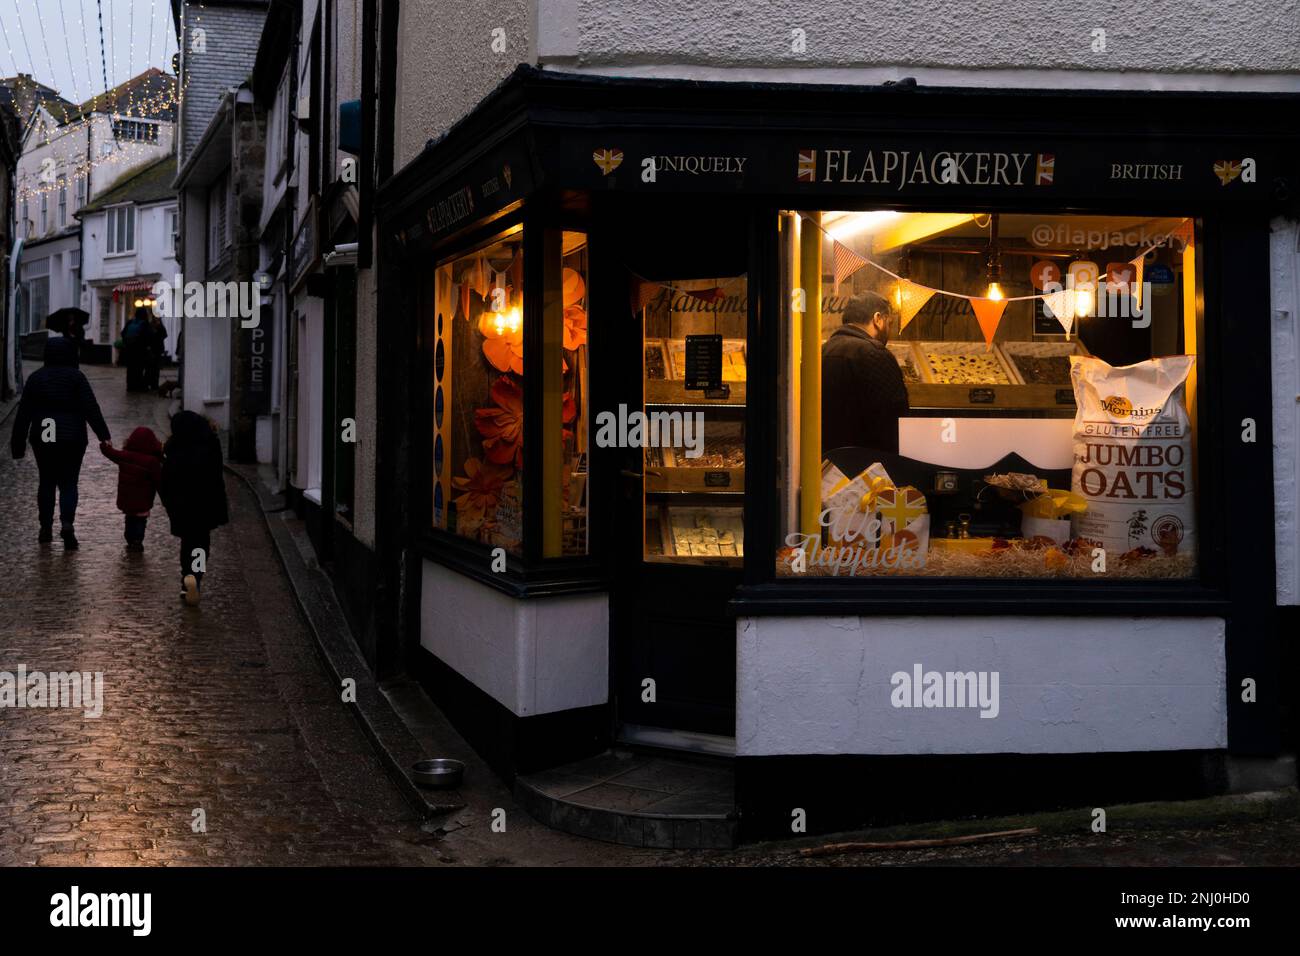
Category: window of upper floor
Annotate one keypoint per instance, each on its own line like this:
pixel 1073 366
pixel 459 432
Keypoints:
pixel 120 230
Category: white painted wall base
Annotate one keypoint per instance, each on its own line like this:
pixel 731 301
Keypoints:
pixel 1066 685
pixel 536 656
pixel 1284 279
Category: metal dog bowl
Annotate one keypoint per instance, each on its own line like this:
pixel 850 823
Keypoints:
pixel 441 773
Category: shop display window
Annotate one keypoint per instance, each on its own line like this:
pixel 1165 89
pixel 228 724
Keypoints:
pixel 695 443
pixel 478 394
pixel 988 395
pixel 572 435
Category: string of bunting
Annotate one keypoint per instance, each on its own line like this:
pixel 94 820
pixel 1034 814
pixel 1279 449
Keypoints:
pixel 911 296
pixel 644 291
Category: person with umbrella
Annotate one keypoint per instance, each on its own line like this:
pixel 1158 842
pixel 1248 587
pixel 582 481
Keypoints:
pixel 69 321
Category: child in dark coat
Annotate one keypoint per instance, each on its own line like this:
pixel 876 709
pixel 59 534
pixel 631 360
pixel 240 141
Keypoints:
pixel 193 491
pixel 139 473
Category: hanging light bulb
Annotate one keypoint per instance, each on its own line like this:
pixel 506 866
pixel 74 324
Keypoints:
pixel 994 290
pixel 513 320
pixel 1082 277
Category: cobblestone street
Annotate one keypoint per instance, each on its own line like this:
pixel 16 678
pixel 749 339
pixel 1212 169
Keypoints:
pixel 202 708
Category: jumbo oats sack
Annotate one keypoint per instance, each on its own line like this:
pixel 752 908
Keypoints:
pixel 1133 455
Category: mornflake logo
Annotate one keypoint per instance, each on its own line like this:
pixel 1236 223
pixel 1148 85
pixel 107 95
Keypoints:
pixel 946 689
pixel 103 909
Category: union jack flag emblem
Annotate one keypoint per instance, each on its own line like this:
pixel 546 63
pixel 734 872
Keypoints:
pixel 607 159
pixel 1227 170
pixel 1046 173
pixel 807 166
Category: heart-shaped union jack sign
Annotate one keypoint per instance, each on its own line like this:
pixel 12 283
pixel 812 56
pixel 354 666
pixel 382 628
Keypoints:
pixel 607 159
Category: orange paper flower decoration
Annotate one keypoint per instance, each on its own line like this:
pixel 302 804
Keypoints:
pixel 575 327
pixel 480 490
pixel 573 287
pixel 507 352
pixel 502 426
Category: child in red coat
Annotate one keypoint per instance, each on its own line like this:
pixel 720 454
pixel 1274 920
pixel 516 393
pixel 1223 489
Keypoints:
pixel 139 473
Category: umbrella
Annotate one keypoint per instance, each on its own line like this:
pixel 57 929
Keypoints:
pixel 69 321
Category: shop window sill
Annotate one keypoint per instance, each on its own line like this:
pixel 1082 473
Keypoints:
pixel 562 576
pixel 977 597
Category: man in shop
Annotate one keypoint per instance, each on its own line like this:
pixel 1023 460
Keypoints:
pixel 863 395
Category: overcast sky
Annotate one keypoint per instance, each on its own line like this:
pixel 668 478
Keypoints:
pixel 138 34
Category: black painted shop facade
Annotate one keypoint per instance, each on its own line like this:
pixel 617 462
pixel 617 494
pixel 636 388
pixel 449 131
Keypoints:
pixel 575 202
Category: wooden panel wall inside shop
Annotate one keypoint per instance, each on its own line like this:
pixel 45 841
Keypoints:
pixel 686 315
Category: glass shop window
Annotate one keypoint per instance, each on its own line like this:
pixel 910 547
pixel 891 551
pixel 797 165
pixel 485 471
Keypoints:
pixel 478 421
pixel 988 395
pixel 564 525
pixel 478 395
pixel 694 436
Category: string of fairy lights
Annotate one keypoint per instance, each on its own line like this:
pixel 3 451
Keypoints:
pixel 144 100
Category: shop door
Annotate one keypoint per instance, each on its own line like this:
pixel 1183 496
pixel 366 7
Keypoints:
pixel 680 516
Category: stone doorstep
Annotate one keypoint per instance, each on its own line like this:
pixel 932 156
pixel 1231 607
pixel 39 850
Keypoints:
pixel 581 812
pixel 393 743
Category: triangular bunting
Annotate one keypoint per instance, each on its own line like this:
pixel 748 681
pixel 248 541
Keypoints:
pixel 478 277
pixel 1139 268
pixel 910 299
pixel 643 290
pixel 1183 232
pixel 988 312
pixel 462 292
pixel 846 263
pixel 706 295
pixel 1061 305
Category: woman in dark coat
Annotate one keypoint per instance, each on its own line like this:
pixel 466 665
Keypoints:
pixel 57 404
pixel 193 491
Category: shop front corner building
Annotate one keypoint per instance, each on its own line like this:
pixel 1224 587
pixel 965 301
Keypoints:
pixel 885 446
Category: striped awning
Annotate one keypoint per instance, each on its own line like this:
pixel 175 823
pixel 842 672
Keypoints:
pixel 133 285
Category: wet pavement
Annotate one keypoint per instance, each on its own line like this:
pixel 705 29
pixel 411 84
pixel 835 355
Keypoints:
pixel 227 709
pixel 203 709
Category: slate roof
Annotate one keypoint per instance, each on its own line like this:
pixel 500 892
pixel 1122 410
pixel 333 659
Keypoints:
pixel 150 184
